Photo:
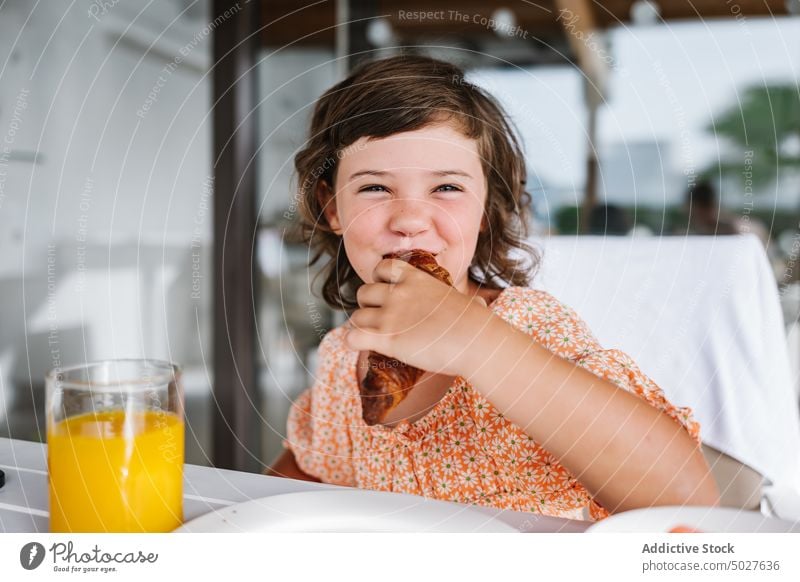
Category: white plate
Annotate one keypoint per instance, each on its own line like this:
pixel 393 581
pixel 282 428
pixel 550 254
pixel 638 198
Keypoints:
pixel 345 511
pixel 706 519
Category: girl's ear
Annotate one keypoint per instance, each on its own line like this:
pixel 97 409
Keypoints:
pixel 328 203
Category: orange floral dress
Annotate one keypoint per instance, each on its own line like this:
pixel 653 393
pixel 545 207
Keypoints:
pixel 463 449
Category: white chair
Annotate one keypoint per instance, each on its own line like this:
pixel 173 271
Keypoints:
pixel 701 317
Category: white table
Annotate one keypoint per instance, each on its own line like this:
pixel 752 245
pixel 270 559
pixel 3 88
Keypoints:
pixel 24 498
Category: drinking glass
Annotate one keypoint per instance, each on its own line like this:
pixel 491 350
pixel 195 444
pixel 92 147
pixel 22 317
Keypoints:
pixel 115 442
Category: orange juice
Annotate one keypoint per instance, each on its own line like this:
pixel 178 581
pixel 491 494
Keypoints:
pixel 114 471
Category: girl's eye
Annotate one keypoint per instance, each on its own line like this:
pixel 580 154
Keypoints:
pixel 448 188
pixel 373 188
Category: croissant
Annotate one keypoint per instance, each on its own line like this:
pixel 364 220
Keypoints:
pixel 388 381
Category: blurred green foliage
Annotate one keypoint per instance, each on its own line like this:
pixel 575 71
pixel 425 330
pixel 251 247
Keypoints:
pixel 765 120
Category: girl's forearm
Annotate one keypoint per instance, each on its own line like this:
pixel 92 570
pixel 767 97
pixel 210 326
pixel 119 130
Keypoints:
pixel 626 453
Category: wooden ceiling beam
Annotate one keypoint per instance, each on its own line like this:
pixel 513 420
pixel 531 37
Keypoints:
pixel 313 23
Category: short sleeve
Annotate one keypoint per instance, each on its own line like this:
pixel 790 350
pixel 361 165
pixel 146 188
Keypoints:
pixel 318 426
pixel 559 328
pixel 619 368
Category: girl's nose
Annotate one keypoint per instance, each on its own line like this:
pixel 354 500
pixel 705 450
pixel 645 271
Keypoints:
pixel 409 217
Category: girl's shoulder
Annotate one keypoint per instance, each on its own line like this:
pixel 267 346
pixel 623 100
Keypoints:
pixel 333 357
pixel 536 310
pixel 333 341
pixel 525 298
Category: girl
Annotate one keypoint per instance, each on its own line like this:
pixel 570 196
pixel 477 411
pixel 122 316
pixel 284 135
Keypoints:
pixel 519 407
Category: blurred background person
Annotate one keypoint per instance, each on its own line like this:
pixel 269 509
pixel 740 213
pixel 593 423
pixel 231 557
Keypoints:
pixel 706 215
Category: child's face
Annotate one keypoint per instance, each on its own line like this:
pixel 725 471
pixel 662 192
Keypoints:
pixel 422 189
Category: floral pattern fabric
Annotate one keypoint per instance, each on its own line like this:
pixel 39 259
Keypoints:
pixel 463 449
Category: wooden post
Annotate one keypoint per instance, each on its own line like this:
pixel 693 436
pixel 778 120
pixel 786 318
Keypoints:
pixel 592 163
pixel 357 16
pixel 236 426
pixel 577 18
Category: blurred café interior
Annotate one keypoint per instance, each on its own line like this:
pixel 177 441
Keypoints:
pixel 146 195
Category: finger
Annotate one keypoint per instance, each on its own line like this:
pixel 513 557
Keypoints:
pixel 363 340
pixel 390 271
pixel 480 300
pixel 372 294
pixel 367 318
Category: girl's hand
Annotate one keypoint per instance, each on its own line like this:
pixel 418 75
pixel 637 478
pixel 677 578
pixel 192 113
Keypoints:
pixel 410 315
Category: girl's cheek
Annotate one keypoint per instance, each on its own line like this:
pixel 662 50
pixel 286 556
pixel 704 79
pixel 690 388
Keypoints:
pixel 460 225
pixel 362 230
pixel 368 220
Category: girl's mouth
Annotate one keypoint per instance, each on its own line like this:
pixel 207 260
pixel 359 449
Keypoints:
pixel 406 250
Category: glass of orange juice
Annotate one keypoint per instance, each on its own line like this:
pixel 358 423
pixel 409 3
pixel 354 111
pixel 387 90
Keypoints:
pixel 115 435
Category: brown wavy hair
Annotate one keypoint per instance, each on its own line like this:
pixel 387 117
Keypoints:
pixel 400 94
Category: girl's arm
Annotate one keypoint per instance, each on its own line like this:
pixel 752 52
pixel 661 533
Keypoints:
pixel 626 453
pixel 286 466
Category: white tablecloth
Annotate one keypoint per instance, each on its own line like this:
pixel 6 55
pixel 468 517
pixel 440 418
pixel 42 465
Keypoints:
pixel 701 317
pixel 24 498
